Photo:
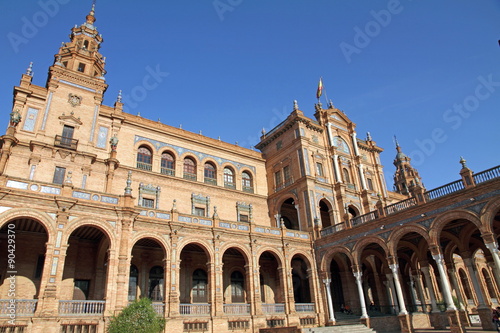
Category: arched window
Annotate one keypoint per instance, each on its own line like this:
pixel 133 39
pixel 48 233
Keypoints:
pixel 347 179
pixel 189 169
pixel 156 284
pixel 144 158
pixel 370 183
pixel 132 283
pixel 246 182
pixel 229 178
pixel 200 286
pixel 210 173
pixel 237 287
pixel 167 164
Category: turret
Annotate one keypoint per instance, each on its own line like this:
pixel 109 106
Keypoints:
pixel 405 176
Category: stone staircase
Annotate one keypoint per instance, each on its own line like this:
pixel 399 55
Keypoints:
pixel 344 323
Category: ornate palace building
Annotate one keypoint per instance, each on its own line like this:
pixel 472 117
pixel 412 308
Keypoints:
pixel 99 207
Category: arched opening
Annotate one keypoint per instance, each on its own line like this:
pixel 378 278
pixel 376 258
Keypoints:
pixel 144 158
pixel 342 287
pixel 28 259
pixel 235 288
pixel 466 286
pixel 324 212
pixel 347 178
pixel 289 214
pixel 229 178
pixel 273 294
pixel 189 169
pixel 148 258
pixel 133 283
pixel 167 164
pixel 300 281
pixel 210 174
pixel 246 182
pixel 489 284
pixel 86 266
pixel 352 211
pixel 194 278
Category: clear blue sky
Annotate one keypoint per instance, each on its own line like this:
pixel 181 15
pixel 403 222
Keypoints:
pixel 426 71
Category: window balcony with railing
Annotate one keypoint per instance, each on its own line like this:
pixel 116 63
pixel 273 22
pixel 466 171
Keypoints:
pixel 65 142
pixel 210 181
pixel 189 176
pixel 230 185
pixel 85 308
pixel 144 166
pixel 194 309
pixel 248 189
pixel 237 309
pixel 167 171
pixel 304 307
pixel 21 307
pixel 273 308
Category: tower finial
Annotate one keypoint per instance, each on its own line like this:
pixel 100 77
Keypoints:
pixel 396 141
pixel 91 16
pixel 295 105
pixel 119 97
pixel 29 71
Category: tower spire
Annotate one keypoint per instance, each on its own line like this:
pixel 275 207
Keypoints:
pixel 406 176
pixel 91 16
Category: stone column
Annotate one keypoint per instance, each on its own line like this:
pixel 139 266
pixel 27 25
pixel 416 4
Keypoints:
pixel 249 287
pixel 174 294
pixel 495 253
pixel 417 280
pixel 331 317
pixel 430 286
pixel 445 282
pixel 336 168
pixel 218 286
pixel 362 177
pixel 453 279
pixel 390 286
pixel 358 275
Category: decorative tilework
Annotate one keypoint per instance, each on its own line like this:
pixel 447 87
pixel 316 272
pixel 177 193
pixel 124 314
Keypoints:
pixel 29 123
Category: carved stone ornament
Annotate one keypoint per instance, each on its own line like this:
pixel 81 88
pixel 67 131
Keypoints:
pixel 74 100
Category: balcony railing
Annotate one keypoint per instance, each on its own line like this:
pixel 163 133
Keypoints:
pixel 364 218
pixel 65 142
pixel 237 309
pixel 444 190
pixel 194 309
pixel 248 189
pixel 210 181
pixel 486 175
pixel 159 308
pixel 273 308
pixel 401 205
pixel 19 306
pixel 189 176
pixel 167 171
pixel 304 307
pixel 144 166
pixel 332 229
pixel 230 185
pixel 81 307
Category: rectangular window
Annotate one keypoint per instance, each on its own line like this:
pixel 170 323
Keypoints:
pixel 319 169
pixel 277 179
pixel 243 218
pixel 148 203
pixel 199 211
pixel 370 184
pixel 59 174
pixel 287 175
pixel 67 136
pixel 81 67
pixel 83 286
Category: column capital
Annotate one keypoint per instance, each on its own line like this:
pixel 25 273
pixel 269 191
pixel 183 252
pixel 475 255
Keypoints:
pixel 358 275
pixel 327 281
pixel 438 258
pixel 394 268
pixel 493 247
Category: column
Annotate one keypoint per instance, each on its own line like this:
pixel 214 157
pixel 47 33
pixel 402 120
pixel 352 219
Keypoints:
pixel 358 276
pixel 355 143
pixel 428 282
pixel 399 291
pixel 420 290
pixel 330 136
pixel 445 282
pixel 454 283
pixel 495 253
pixel 362 177
pixel 472 273
pixel 336 168
pixel 331 317
pixel 390 286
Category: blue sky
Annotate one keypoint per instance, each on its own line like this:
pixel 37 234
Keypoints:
pixel 425 71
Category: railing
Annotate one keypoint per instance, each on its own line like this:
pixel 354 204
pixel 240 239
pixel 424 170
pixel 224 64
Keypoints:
pixel 81 307
pixel 230 185
pixel 237 309
pixel 486 175
pixel 19 307
pixel 144 166
pixel 364 218
pixel 351 186
pixel 273 308
pixel 444 190
pixel 194 309
pixel 189 176
pixel 69 143
pixel 210 181
pixel 248 189
pixel 304 307
pixel 159 308
pixel 167 171
pixel 401 205
pixel 332 229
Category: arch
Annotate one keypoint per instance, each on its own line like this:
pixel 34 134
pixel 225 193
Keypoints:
pixel 488 213
pixel 167 165
pixel 244 252
pixel 229 177
pixel 247 181
pixel 346 175
pixel 210 173
pixel 189 167
pixel 41 217
pixel 440 222
pixel 304 256
pixel 300 279
pixel 103 226
pixel 399 233
pixel 289 214
pixel 203 244
pixel 361 245
pixel 329 255
pixel 147 234
pixel 279 258
pixel 144 158
pixel 325 209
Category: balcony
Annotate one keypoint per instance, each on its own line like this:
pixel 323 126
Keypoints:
pixel 21 307
pixel 194 309
pixel 237 309
pixel 273 308
pixel 87 308
pixel 159 308
pixel 167 171
pixel 65 142
pixel 144 166
pixel 304 307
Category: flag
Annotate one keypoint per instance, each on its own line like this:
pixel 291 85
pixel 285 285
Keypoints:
pixel 320 88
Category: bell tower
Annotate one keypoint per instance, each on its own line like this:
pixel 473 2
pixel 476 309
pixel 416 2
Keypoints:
pixel 405 176
pixel 79 61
